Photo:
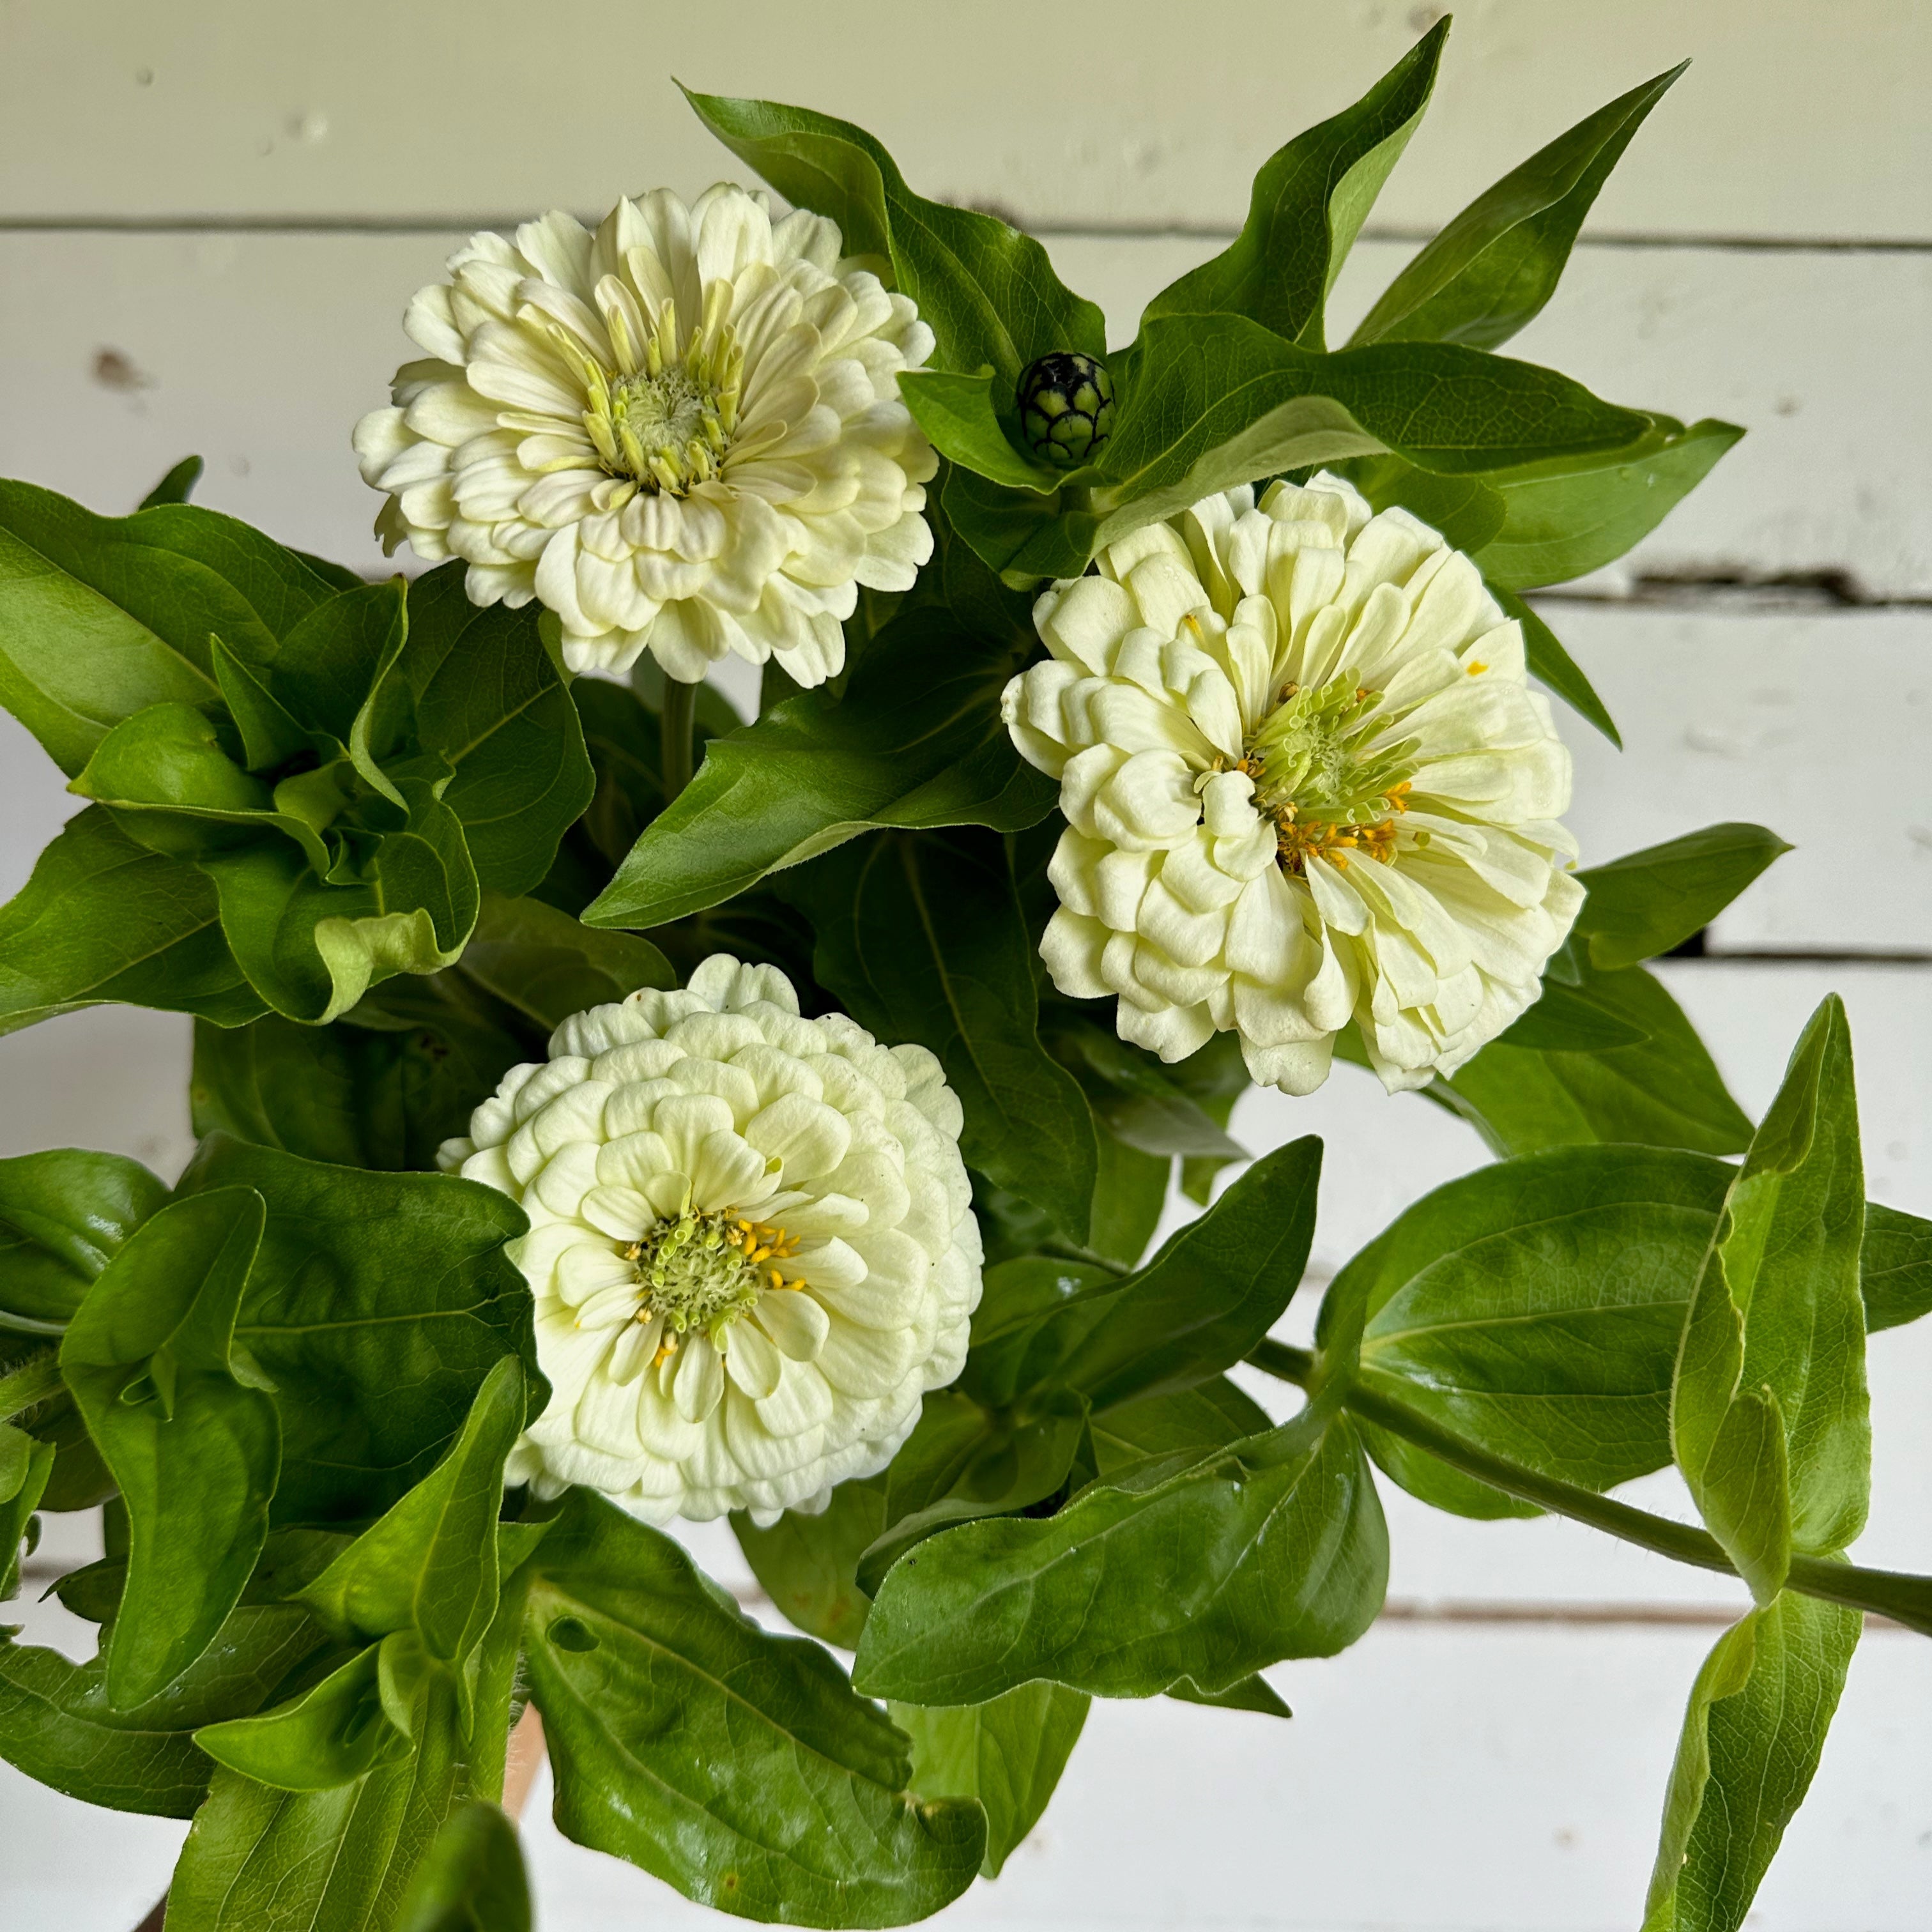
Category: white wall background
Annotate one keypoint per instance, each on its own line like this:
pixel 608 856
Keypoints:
pixel 213 215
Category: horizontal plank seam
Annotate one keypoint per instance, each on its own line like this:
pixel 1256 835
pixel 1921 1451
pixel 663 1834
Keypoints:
pixel 261 222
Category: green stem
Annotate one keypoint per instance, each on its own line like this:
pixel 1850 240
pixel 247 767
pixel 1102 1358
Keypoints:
pixel 1906 1599
pixel 29 1383
pixel 680 709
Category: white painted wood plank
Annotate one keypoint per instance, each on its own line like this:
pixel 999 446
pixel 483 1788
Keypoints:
pixel 1814 723
pixel 1796 120
pixel 261 351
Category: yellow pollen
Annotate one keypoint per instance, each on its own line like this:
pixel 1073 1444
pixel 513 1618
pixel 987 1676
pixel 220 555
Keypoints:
pixel 1477 667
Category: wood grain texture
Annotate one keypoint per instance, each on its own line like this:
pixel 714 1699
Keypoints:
pixel 1796 120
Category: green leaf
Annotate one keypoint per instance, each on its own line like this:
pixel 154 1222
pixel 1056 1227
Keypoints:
pixel 1207 1569
pixel 1211 1415
pixel 64 1216
pixel 313 946
pixel 809 1564
pixel 1647 902
pixel 916 741
pixel 961 417
pixel 543 965
pixel 472 1879
pixel 102 616
pixel 1492 269
pixel 1752 1739
pixel 177 485
pixel 1216 1076
pixel 378 1304
pixel 921 939
pixel 492 702
pixel 1769 1415
pixel 1008 1753
pixel 104 920
pixel 1130 1192
pixel 1309 200
pixel 1566 517
pixel 429 1567
pixel 1252 1693
pixel 1894 1267
pixel 1572 1019
pixel 1214 1290
pixel 25 1466
pixel 339 1860
pixel 181 1418
pixel 57 1726
pixel 383 1086
pixel 1137 1099
pixel 1665 1092
pixel 1210 401
pixel 987 291
pixel 1548 661
pixel 961 1464
pixel 737 1766
pixel 1533 1307
pixel 331 1734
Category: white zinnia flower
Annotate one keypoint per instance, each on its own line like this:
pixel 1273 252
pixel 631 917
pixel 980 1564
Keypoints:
pixel 751 1245
pixel 681 432
pixel 1304 782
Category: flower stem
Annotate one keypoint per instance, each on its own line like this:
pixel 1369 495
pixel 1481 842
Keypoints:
pixel 680 709
pixel 29 1383
pixel 1906 1599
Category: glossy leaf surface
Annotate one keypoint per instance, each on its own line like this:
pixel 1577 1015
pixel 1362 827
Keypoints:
pixel 378 1304
pixel 182 1420
pixel 737 1766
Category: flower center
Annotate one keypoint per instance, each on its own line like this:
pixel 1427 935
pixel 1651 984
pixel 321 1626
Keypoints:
pixel 1330 789
pixel 703 1271
pixel 662 419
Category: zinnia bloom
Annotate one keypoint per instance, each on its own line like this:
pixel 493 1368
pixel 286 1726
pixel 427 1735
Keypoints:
pixel 1305 783
pixel 683 433
pixel 751 1245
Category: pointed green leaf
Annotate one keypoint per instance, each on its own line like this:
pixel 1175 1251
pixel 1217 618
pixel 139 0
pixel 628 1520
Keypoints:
pixel 1549 661
pixel 1252 1693
pixel 1491 270
pixel 57 1726
pixel 1533 1307
pixel 378 1305
pixel 1211 1415
pixel 1309 200
pixel 102 616
pixel 545 966
pixel 1212 1291
pixel 181 1419
pixel 1664 1091
pixel 472 1879
pixel 25 1466
pixel 1206 1568
pixel 917 740
pixel 809 1564
pixel 176 486
pixel 1210 401
pixel 339 1860
pixel 105 920
pixel 1134 1097
pixel 1752 1738
pixel 1647 902
pixel 65 1214
pixel 429 1566
pixel 921 939
pixel 1769 1414
pixel 1894 1267
pixel 987 291
pixel 329 1735
pixel 1566 517
pixel 735 1766
pixel 490 700
pixel 1008 1754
